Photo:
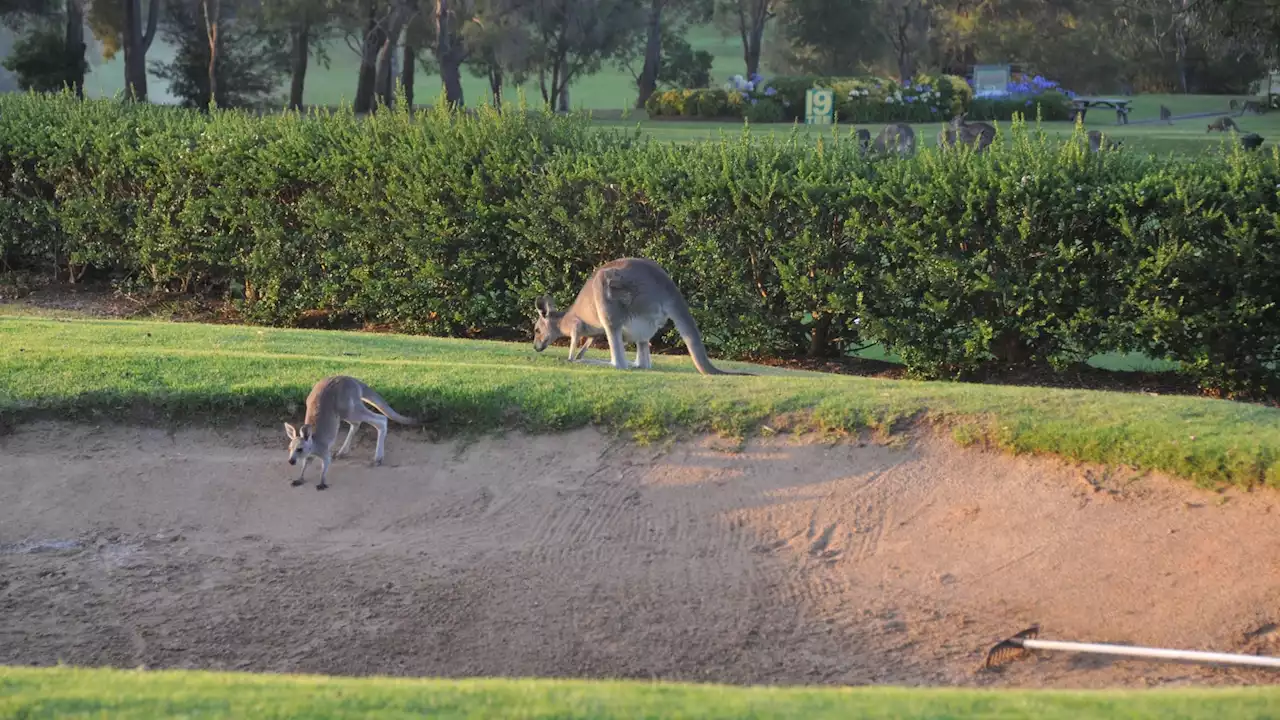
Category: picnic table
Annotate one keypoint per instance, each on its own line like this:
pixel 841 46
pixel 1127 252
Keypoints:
pixel 1121 106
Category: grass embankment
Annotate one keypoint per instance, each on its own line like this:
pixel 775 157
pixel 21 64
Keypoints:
pixel 66 692
pixel 118 370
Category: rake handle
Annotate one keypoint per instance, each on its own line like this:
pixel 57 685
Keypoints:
pixel 1135 651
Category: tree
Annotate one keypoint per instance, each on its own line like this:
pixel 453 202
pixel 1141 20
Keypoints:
pixel 308 23
pixel 828 37
pixel 572 38
pixel 662 46
pixel 749 19
pixel 47 57
pixel 501 51
pixel 905 26
pixel 221 55
pixel 39 60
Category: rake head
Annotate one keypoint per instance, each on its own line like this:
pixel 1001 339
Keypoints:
pixel 1006 651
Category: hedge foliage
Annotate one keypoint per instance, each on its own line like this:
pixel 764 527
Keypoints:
pixel 1036 251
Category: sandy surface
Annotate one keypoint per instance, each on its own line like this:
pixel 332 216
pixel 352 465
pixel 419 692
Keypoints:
pixel 583 556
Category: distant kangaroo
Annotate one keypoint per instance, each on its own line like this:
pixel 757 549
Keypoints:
pixel 895 137
pixel 978 135
pixel 1096 140
pixel 1166 114
pixel 333 400
pixel 1221 125
pixel 626 300
pixel 864 140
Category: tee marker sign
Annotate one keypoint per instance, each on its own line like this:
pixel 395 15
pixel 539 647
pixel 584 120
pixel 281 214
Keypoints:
pixel 819 106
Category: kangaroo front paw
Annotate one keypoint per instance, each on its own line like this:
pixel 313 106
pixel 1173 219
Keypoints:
pixel 377 462
pixel 322 486
pixel 296 483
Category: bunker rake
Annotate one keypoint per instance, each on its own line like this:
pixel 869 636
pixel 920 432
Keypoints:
pixel 1018 646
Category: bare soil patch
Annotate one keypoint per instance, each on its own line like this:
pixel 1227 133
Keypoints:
pixel 579 555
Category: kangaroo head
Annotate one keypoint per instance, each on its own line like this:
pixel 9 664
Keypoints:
pixel 546 329
pixel 301 442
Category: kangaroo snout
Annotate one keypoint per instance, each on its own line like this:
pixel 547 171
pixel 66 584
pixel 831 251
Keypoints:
pixel 293 461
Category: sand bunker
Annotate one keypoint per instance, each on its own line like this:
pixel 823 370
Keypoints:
pixel 583 556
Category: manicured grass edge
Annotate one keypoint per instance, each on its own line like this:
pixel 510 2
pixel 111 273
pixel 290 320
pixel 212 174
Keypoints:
pixel 67 691
pixel 474 387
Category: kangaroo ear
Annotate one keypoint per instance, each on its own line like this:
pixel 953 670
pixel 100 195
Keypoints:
pixel 304 432
pixel 291 431
pixel 545 305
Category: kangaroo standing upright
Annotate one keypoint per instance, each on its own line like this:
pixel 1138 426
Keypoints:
pixel 334 400
pixel 626 300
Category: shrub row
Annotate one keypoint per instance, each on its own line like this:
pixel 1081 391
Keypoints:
pixel 1035 252
pixel 862 100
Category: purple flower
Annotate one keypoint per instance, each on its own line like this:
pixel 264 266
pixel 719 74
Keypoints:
pixel 754 101
pixel 770 92
pixel 1028 103
pixel 933 109
pixel 756 77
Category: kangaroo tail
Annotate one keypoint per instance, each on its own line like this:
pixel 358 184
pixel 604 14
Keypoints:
pixel 373 398
pixel 688 330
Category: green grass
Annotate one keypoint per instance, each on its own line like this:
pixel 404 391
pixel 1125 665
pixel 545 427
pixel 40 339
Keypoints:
pixel 123 694
pixel 115 370
pixel 1183 137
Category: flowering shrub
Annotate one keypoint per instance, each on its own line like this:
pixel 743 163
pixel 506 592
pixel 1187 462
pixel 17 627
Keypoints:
pixel 926 99
pixel 1022 95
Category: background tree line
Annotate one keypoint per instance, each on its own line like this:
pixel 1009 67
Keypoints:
pixel 241 52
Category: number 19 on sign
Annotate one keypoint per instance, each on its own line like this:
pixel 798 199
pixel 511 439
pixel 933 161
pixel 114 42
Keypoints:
pixel 819 106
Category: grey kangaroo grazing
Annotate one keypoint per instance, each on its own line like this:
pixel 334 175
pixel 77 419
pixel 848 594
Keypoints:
pixel 864 140
pixel 1096 140
pixel 895 137
pixel 1166 114
pixel 626 300
pixel 1252 141
pixel 1221 125
pixel 332 401
pixel 977 135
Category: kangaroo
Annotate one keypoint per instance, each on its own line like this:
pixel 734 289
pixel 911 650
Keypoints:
pixel 1097 140
pixel 896 137
pixel 1166 114
pixel 864 140
pixel 978 135
pixel 1233 104
pixel 1252 141
pixel 626 300
pixel 1221 125
pixel 334 399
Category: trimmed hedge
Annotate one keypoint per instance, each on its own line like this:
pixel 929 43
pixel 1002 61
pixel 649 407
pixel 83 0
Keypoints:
pixel 1033 252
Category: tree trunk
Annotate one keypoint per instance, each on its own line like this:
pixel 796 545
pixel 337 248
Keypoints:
pixel 301 53
pixel 495 86
pixel 211 18
pixel 136 44
pixel 752 50
pixel 363 101
pixel 75 46
pixel 564 98
pixel 407 73
pixel 648 81
pixel 384 79
pixel 818 342
pixel 448 55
